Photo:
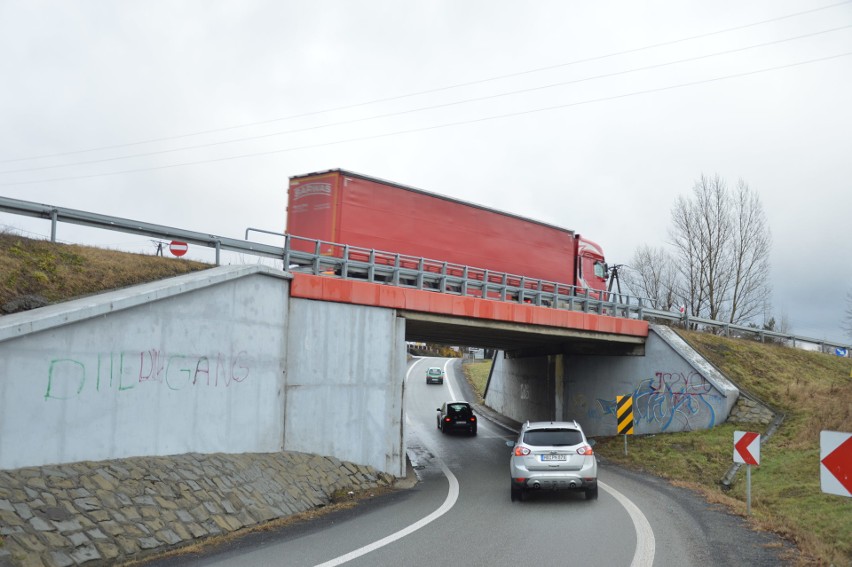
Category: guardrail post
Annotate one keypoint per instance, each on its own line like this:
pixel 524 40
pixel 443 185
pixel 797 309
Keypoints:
pixel 371 269
pixel 218 251
pixel 442 285
pixel 420 267
pixel 54 217
pixel 464 281
pixel 395 278
pixel 344 265
pixel 286 257
pixel 316 262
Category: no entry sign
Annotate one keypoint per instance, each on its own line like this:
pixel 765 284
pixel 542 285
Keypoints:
pixel 747 447
pixel 835 462
pixel 178 248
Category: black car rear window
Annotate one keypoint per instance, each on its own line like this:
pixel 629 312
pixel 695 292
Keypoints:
pixel 553 437
pixel 458 409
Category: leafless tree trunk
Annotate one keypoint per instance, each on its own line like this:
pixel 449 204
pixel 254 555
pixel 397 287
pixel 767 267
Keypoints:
pixel 752 244
pixel 652 274
pixel 701 233
pixel 722 244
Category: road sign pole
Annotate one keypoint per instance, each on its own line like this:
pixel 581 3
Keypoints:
pixel 748 490
pixel 625 444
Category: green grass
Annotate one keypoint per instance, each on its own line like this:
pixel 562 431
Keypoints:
pixel 812 390
pixel 477 375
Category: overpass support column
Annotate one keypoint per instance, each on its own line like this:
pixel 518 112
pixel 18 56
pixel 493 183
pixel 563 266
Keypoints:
pixel 344 383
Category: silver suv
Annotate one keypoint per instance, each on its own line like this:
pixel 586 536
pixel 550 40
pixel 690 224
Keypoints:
pixel 552 455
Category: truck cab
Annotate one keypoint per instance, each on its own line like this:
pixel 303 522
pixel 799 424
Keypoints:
pixel 591 266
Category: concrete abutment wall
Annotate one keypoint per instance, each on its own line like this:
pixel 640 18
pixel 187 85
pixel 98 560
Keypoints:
pixel 673 388
pixel 220 361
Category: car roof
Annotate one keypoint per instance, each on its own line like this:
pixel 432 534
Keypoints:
pixel 550 425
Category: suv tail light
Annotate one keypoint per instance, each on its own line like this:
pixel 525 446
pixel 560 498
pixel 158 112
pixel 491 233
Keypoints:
pixel 521 451
pixel 585 450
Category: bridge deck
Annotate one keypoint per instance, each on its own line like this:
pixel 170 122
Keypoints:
pixel 308 286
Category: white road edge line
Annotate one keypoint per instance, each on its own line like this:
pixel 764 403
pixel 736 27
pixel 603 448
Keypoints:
pixel 446 379
pixel 645 542
pixel 449 502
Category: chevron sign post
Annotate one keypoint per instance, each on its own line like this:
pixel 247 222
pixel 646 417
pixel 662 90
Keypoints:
pixel 624 417
pixel 747 451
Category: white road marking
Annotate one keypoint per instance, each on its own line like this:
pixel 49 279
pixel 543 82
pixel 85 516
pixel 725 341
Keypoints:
pixel 447 381
pixel 645 542
pixel 449 502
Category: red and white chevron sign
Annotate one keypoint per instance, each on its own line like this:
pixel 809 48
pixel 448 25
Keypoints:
pixel 835 459
pixel 747 447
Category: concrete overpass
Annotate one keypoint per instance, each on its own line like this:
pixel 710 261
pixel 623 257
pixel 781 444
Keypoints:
pixel 252 359
pixel 518 329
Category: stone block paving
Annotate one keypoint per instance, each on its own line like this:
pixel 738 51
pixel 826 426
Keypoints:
pixel 102 513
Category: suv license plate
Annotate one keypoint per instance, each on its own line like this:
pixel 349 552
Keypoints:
pixel 461 423
pixel 554 458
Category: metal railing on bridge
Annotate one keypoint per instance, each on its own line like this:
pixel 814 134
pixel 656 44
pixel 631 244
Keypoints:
pixel 340 260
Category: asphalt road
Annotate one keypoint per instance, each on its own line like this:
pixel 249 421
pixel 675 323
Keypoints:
pixel 460 513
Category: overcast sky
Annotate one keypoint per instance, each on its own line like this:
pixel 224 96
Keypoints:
pixel 593 116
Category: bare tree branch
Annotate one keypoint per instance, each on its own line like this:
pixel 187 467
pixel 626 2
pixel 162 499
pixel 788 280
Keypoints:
pixel 722 244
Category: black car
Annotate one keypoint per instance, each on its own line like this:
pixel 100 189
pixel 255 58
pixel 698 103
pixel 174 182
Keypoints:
pixel 456 416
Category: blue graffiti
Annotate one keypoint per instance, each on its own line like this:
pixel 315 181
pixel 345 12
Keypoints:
pixel 671 400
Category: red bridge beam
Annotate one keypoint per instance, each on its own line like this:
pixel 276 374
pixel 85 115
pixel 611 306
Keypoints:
pixel 308 286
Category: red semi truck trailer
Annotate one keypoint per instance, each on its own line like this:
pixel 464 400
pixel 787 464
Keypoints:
pixel 342 207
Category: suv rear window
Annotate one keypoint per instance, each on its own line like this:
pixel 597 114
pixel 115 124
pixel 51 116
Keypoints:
pixel 551 437
pixel 458 409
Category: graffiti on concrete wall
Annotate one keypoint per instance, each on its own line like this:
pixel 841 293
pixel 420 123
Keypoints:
pixel 69 378
pixel 671 400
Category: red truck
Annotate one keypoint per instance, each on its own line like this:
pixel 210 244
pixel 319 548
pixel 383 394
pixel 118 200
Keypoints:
pixel 343 207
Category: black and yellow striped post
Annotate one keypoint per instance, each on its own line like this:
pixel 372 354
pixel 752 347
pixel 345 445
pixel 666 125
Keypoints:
pixel 624 417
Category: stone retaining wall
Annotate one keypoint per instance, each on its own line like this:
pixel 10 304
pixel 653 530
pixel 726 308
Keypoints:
pixel 748 410
pixel 102 513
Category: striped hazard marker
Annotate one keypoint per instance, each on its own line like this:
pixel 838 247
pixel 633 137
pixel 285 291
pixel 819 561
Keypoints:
pixel 624 414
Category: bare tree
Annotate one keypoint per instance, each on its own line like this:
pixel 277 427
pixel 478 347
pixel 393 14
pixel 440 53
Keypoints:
pixel 751 246
pixel 701 233
pixel 722 244
pixel 652 274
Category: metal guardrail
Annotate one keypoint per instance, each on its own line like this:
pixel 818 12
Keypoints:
pixel 73 216
pixel 334 259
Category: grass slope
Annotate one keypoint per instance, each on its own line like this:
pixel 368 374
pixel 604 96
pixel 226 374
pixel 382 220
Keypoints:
pixel 59 272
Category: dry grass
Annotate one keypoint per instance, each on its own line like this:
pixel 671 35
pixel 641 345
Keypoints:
pixel 59 272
